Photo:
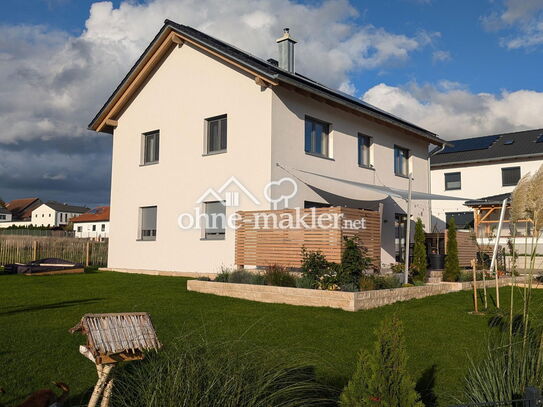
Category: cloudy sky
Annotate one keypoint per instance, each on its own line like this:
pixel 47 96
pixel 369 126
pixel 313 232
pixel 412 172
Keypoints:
pixel 460 68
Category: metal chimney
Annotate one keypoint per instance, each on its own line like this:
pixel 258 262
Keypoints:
pixel 286 51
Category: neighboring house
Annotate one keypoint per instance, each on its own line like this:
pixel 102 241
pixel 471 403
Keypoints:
pixel 5 215
pixel 485 170
pixel 194 112
pixel 92 224
pixel 54 214
pixel 21 212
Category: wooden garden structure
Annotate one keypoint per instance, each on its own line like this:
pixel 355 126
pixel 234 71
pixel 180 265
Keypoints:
pixel 113 338
pixel 465 239
pixel 261 242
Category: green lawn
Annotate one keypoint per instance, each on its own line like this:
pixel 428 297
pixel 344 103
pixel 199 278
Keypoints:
pixel 36 313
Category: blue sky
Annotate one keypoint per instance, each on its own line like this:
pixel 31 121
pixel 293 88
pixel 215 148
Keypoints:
pixel 460 68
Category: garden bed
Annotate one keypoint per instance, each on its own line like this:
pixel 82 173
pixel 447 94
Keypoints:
pixel 348 301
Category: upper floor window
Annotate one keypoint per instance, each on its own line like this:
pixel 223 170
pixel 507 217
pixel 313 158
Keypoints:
pixel 317 137
pixel 510 176
pixel 80 229
pixel 150 148
pixel 147 229
pixel 216 134
pixel 364 146
pixel 401 161
pixel 452 181
pixel 215 220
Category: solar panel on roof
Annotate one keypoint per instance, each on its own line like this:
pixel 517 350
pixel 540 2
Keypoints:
pixel 470 144
pixel 508 142
pixel 540 138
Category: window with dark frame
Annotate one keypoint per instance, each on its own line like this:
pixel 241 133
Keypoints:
pixel 148 223
pixel 94 228
pixel 453 181
pixel 510 176
pixel 216 134
pixel 401 161
pixel 151 146
pixel 215 220
pixel 80 228
pixel 364 145
pixel 317 137
pixel 103 227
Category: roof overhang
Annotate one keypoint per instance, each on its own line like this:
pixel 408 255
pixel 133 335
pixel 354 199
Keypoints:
pixel 486 160
pixel 169 36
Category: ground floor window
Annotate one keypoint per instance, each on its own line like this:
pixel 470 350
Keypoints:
pixel 400 225
pixel 462 220
pixel 148 223
pixel 215 220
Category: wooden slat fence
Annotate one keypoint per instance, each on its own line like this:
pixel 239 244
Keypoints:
pixel 260 242
pixel 22 249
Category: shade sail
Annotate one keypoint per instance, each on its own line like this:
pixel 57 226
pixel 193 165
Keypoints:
pixel 394 192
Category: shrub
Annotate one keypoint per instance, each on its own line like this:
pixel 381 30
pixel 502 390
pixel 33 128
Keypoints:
pixel 241 277
pixel 452 267
pixel 397 267
pixel 313 263
pixel 367 283
pixel 381 376
pixel 386 282
pixel 205 374
pixel 354 261
pixel 306 282
pixel 259 279
pixel 420 265
pixel 279 276
pixel 203 279
pixel 223 276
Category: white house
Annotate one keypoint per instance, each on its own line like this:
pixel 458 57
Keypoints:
pixel 53 214
pixel 5 215
pixel 194 113
pixel 485 170
pixel 20 212
pixel 93 224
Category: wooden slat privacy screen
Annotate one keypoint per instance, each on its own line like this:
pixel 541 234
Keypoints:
pixel 261 244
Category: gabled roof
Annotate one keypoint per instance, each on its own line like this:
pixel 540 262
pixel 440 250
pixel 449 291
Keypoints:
pixel 22 208
pixel 60 207
pixel 265 73
pixel 99 214
pixel 492 200
pixel 522 144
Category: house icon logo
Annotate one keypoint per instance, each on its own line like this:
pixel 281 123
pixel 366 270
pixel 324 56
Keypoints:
pixel 226 195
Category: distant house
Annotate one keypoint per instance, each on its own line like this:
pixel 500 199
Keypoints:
pixel 53 214
pixel 485 169
pixel 5 215
pixel 92 224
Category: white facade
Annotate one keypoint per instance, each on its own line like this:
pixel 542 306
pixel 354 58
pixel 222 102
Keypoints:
pixel 5 216
pixel 46 216
pixel 265 127
pixel 478 180
pixel 92 230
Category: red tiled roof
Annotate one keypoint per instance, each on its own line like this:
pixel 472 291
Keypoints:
pixel 100 213
pixel 22 208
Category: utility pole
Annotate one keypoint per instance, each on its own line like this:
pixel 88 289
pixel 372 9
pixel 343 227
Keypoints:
pixel 408 231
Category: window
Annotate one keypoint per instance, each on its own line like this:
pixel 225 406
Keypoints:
pixel 453 181
pixel 400 225
pixel 148 223
pixel 364 145
pixel 401 163
pixel 2 217
pixel 215 220
pixel 317 137
pixel 150 150
pixel 463 220
pixel 216 134
pixel 510 176
pixel 103 227
pixel 311 204
pixel 80 229
pixel 94 228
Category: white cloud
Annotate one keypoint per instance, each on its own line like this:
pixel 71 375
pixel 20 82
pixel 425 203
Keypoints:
pixel 524 18
pixel 453 112
pixel 441 56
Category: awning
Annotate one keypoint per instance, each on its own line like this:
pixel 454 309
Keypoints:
pixel 394 192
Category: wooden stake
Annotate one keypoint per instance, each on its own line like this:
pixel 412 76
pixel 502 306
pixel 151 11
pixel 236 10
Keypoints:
pixel 107 394
pixel 474 267
pixel 103 373
pixel 87 254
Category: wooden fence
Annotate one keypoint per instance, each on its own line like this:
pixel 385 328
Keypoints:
pixel 467 247
pixel 22 249
pixel 260 241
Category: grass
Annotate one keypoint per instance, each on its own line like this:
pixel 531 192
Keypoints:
pixel 36 313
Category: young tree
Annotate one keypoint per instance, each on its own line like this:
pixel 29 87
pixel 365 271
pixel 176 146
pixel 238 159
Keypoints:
pixel 452 266
pixel 381 377
pixel 354 260
pixel 420 265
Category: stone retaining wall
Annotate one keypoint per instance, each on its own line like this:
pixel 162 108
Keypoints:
pixel 348 301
